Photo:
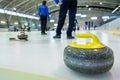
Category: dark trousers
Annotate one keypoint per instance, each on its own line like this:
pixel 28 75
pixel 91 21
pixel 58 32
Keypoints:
pixel 70 5
pixel 43 19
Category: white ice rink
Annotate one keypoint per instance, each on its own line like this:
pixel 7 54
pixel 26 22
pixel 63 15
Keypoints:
pixel 43 55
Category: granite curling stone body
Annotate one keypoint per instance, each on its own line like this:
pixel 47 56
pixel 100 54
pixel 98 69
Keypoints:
pixel 88 58
pixel 22 36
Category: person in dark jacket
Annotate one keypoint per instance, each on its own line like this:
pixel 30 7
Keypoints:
pixel 44 14
pixel 65 6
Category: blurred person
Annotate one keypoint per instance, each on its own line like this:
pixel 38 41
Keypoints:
pixel 76 25
pixel 44 14
pixel 66 5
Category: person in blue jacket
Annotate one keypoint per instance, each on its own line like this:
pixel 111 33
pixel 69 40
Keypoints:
pixel 44 14
pixel 65 6
pixel 76 25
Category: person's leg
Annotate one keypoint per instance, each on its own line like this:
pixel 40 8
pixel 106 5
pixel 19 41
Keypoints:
pixel 72 13
pixel 62 16
pixel 42 22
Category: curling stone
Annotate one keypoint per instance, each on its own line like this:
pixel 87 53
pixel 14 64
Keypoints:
pixel 22 36
pixel 89 58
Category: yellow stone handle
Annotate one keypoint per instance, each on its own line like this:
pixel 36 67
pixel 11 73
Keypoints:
pixel 94 44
